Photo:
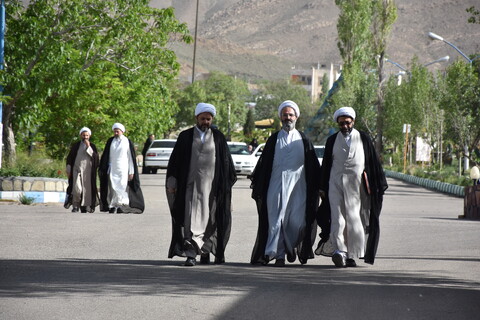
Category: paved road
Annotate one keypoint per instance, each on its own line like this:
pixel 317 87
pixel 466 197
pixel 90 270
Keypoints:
pixel 58 265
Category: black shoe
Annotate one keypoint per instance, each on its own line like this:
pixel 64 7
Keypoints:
pixel 205 258
pixel 291 257
pixel 302 260
pixel 112 210
pixel 339 260
pixel 279 263
pixel 190 262
pixel 83 209
pixel 75 209
pixel 219 260
pixel 350 263
pixel 119 210
pixel 266 260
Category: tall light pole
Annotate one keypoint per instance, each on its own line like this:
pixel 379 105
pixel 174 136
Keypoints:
pixel 2 43
pixel 434 36
pixel 437 37
pixel 195 43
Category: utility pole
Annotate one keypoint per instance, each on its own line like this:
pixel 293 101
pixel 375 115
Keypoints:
pixel 195 44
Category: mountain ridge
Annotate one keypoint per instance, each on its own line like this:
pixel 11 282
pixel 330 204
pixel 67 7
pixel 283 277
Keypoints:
pixel 264 39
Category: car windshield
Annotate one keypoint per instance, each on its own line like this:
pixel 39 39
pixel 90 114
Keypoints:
pixel 238 149
pixel 319 151
pixel 163 144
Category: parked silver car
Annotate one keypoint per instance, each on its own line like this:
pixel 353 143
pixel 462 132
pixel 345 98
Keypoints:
pixel 158 154
pixel 244 161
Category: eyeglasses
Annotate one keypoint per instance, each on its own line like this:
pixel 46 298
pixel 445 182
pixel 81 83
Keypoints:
pixel 343 123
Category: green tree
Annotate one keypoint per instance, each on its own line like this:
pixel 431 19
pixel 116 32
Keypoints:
pixel 272 94
pixel 363 28
pixel 71 63
pixel 461 102
pixel 384 15
pixel 412 102
pixel 249 125
pixel 228 94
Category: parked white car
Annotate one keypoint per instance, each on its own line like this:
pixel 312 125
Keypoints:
pixel 244 161
pixel 319 150
pixel 158 154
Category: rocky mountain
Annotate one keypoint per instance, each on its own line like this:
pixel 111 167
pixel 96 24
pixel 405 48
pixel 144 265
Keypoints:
pixel 265 38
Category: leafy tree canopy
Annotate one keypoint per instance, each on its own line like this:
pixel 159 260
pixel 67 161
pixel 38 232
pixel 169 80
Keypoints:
pixel 74 63
pixel 228 94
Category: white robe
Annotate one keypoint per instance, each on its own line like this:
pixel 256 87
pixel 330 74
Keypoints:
pixel 120 166
pixel 287 195
pixel 347 233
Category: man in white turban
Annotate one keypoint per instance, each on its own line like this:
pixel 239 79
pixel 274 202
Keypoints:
pixel 82 164
pixel 120 190
pixel 352 184
pixel 285 188
pixel 199 182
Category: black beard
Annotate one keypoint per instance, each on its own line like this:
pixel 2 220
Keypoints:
pixel 346 131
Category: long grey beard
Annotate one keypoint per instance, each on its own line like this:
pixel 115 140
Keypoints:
pixel 288 126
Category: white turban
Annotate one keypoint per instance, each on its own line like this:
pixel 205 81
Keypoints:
pixel 205 107
pixel 291 104
pixel 85 129
pixel 344 112
pixel 118 126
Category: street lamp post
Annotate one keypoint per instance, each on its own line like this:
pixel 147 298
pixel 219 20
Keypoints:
pixel 434 36
pixel 195 44
pixel 442 59
pixel 437 37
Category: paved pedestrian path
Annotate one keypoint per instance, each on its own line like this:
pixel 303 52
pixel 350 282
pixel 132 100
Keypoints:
pixel 55 264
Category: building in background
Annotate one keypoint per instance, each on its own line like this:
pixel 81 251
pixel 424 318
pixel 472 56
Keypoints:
pixel 311 77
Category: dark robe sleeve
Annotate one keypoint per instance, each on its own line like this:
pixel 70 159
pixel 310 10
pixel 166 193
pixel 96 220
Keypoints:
pixel 260 180
pixel 135 195
pixel 103 175
pixel 378 186
pixel 72 155
pixel 323 213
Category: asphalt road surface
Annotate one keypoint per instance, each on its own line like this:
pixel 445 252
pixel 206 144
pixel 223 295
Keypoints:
pixel 55 264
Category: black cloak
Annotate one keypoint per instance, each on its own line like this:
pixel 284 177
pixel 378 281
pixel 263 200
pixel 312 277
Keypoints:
pixel 135 195
pixel 260 181
pixel 376 182
pixel 72 155
pixel 220 220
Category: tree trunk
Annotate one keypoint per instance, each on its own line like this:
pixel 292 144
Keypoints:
pixel 9 154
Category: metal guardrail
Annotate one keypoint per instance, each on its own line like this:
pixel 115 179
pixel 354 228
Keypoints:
pixel 443 187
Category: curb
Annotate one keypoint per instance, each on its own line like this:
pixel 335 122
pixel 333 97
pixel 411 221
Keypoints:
pixel 452 189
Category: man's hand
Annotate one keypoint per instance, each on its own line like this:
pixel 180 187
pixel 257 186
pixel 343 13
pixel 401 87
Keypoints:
pixel 130 177
pixel 171 190
pixel 322 194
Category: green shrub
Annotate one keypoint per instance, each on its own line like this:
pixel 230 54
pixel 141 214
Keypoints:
pixel 37 165
pixel 25 199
